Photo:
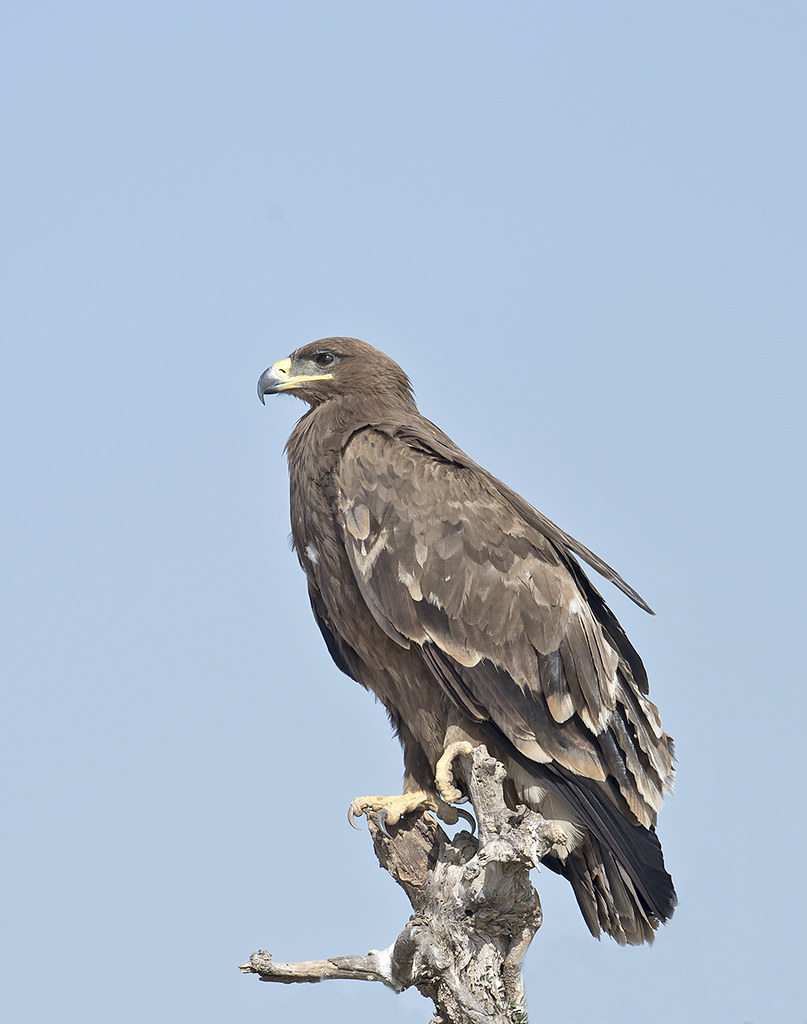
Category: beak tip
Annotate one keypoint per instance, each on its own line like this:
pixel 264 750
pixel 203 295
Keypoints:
pixel 271 382
pixel 265 383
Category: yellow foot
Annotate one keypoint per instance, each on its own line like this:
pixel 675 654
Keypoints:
pixel 444 772
pixel 392 808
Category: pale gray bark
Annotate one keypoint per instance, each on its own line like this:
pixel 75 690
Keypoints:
pixel 475 910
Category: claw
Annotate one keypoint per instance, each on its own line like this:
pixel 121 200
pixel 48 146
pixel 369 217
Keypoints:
pixel 390 809
pixel 351 817
pixel 468 817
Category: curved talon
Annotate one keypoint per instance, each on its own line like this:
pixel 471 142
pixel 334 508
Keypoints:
pixel 388 810
pixel 468 817
pixel 351 817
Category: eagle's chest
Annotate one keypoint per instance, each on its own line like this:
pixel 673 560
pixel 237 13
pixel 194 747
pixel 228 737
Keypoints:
pixel 314 530
pixel 319 544
pixel 315 453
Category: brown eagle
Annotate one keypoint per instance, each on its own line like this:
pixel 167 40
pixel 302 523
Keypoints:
pixel 466 612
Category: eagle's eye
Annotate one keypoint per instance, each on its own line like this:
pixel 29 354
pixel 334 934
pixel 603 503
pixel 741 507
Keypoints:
pixel 324 358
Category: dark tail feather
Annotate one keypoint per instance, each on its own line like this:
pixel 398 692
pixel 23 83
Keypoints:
pixel 618 872
pixel 607 896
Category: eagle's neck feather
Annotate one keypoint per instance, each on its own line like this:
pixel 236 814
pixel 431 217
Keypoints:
pixel 327 427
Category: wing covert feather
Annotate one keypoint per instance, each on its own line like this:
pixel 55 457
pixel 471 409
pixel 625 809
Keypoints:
pixel 445 561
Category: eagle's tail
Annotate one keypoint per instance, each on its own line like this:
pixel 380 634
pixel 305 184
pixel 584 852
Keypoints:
pixel 617 872
pixel 627 909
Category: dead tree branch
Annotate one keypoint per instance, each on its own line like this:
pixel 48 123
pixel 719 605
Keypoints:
pixel 475 910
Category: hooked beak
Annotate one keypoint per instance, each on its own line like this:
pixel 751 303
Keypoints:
pixel 272 381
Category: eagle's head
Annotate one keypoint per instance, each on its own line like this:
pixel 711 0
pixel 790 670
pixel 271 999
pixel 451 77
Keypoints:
pixel 336 368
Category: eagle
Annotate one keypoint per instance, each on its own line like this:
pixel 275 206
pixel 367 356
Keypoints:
pixel 468 615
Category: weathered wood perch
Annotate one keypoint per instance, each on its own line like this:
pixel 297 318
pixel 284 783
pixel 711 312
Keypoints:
pixel 475 910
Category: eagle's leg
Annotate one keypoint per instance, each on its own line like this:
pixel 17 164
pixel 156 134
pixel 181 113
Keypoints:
pixel 422 791
pixel 392 808
pixel 444 771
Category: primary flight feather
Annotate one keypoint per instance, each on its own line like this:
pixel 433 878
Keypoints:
pixel 466 612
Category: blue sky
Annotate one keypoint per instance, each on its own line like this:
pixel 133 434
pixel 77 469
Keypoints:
pixel 580 228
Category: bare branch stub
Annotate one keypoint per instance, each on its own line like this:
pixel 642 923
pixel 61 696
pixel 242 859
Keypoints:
pixel 475 909
pixel 372 967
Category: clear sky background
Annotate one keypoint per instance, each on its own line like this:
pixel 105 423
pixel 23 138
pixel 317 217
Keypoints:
pixel 580 228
